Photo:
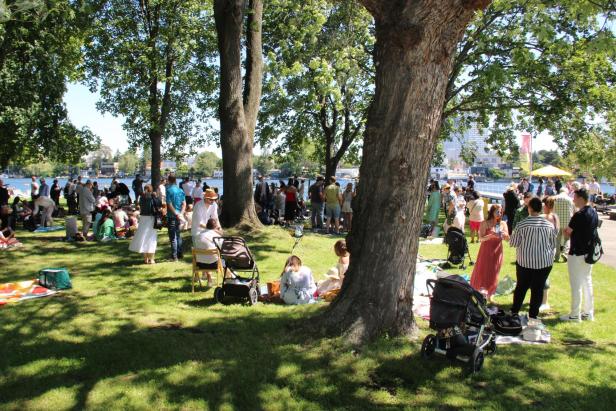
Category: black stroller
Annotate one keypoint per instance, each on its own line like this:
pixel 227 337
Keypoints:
pixel 457 248
pixel 237 258
pixel 459 314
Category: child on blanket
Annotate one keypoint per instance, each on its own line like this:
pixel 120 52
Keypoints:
pixel 335 275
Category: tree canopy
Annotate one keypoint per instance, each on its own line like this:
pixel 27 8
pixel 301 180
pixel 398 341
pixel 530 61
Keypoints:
pixel 319 77
pixel 39 53
pixel 150 62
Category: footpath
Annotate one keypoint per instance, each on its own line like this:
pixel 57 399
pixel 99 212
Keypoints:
pixel 607 232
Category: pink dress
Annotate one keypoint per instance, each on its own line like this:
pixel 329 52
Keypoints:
pixel 488 264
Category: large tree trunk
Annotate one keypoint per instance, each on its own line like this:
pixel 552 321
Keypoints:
pixel 237 118
pixel 415 43
pixel 155 142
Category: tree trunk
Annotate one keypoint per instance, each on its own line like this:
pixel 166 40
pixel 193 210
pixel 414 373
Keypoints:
pixel 415 43
pixel 331 164
pixel 235 131
pixel 155 142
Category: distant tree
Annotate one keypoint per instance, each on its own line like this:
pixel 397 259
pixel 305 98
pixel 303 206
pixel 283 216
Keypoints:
pixel 206 163
pixel 102 155
pixel 128 163
pixel 319 79
pixel 496 173
pixel 263 163
pixel 546 157
pixel 150 61
pixel 468 152
pixel 39 52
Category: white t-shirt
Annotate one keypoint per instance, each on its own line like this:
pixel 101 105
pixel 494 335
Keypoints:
pixel 162 191
pixel 198 192
pixel 204 240
pixel 188 188
pixel 594 188
pixel 201 213
pixel 34 188
pixel 475 209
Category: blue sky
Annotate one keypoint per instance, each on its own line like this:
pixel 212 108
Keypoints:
pixel 81 105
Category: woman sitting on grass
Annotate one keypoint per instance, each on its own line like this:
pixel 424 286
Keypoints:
pixel 335 275
pixel 106 228
pixel 297 285
pixel 7 238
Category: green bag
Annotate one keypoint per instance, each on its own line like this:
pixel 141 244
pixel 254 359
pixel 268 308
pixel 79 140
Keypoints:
pixel 55 278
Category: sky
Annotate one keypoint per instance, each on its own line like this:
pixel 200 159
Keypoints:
pixel 81 105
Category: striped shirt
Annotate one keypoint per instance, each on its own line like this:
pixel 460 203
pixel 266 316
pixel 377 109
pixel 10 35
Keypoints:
pixel 535 241
pixel 564 209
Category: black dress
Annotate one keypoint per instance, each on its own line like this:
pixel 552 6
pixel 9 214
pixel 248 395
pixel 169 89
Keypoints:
pixel 511 205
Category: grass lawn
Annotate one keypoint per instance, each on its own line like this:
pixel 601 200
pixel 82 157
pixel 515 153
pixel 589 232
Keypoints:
pixel 133 336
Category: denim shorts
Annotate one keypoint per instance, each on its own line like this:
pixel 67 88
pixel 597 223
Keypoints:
pixel 332 212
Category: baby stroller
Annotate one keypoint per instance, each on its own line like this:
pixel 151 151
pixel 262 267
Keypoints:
pixel 457 248
pixel 237 259
pixel 459 314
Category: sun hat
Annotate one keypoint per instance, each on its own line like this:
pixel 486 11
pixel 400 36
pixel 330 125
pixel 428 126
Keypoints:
pixel 210 194
pixel 446 186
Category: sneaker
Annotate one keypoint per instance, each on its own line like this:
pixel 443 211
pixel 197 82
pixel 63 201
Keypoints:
pixel 571 318
pixel 564 258
pixel 544 307
pixel 588 317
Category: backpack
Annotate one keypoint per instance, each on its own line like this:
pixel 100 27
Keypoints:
pixel 506 324
pixel 596 250
pixel 55 278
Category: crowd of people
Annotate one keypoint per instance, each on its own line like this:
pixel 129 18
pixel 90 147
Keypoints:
pixel 548 223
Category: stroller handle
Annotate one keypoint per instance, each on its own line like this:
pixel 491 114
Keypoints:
pixel 430 284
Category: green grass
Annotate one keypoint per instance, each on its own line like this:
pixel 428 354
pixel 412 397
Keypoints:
pixel 134 336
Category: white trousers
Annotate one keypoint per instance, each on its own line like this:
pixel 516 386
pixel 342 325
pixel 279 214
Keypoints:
pixel 580 279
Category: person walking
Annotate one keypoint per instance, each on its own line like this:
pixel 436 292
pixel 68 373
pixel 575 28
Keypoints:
pixel 492 232
pixel 146 237
pixel 534 239
pixel 176 205
pixel 564 209
pixel 580 230
pixel 86 207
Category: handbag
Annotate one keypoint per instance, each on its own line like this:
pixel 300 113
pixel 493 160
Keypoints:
pixel 55 278
pixel 596 249
pixel 158 216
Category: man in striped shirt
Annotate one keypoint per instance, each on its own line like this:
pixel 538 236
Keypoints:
pixel 534 239
pixel 564 209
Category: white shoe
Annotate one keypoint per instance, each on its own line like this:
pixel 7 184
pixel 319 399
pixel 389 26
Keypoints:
pixel 535 323
pixel 588 317
pixel 570 318
pixel 544 307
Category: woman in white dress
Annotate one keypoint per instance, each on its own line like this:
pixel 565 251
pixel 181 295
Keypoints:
pixel 297 285
pixel 146 237
pixel 335 275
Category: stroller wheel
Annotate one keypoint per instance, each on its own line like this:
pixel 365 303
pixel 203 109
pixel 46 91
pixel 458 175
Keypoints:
pixel 491 348
pixel 476 360
pixel 428 346
pixel 219 295
pixel 253 296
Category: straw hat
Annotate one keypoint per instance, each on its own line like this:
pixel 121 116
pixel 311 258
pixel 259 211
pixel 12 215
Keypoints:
pixel 446 186
pixel 333 273
pixel 210 194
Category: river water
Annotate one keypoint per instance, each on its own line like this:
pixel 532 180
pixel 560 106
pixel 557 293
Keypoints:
pixel 22 185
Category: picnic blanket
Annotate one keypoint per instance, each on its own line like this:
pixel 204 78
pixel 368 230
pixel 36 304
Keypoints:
pixel 23 290
pixel 48 229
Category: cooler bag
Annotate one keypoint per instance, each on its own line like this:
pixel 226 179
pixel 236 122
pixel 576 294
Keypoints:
pixel 55 278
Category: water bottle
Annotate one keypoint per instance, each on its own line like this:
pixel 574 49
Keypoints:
pixel 497 229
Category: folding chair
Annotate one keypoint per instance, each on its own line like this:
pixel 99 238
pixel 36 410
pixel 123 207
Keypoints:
pixel 196 270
